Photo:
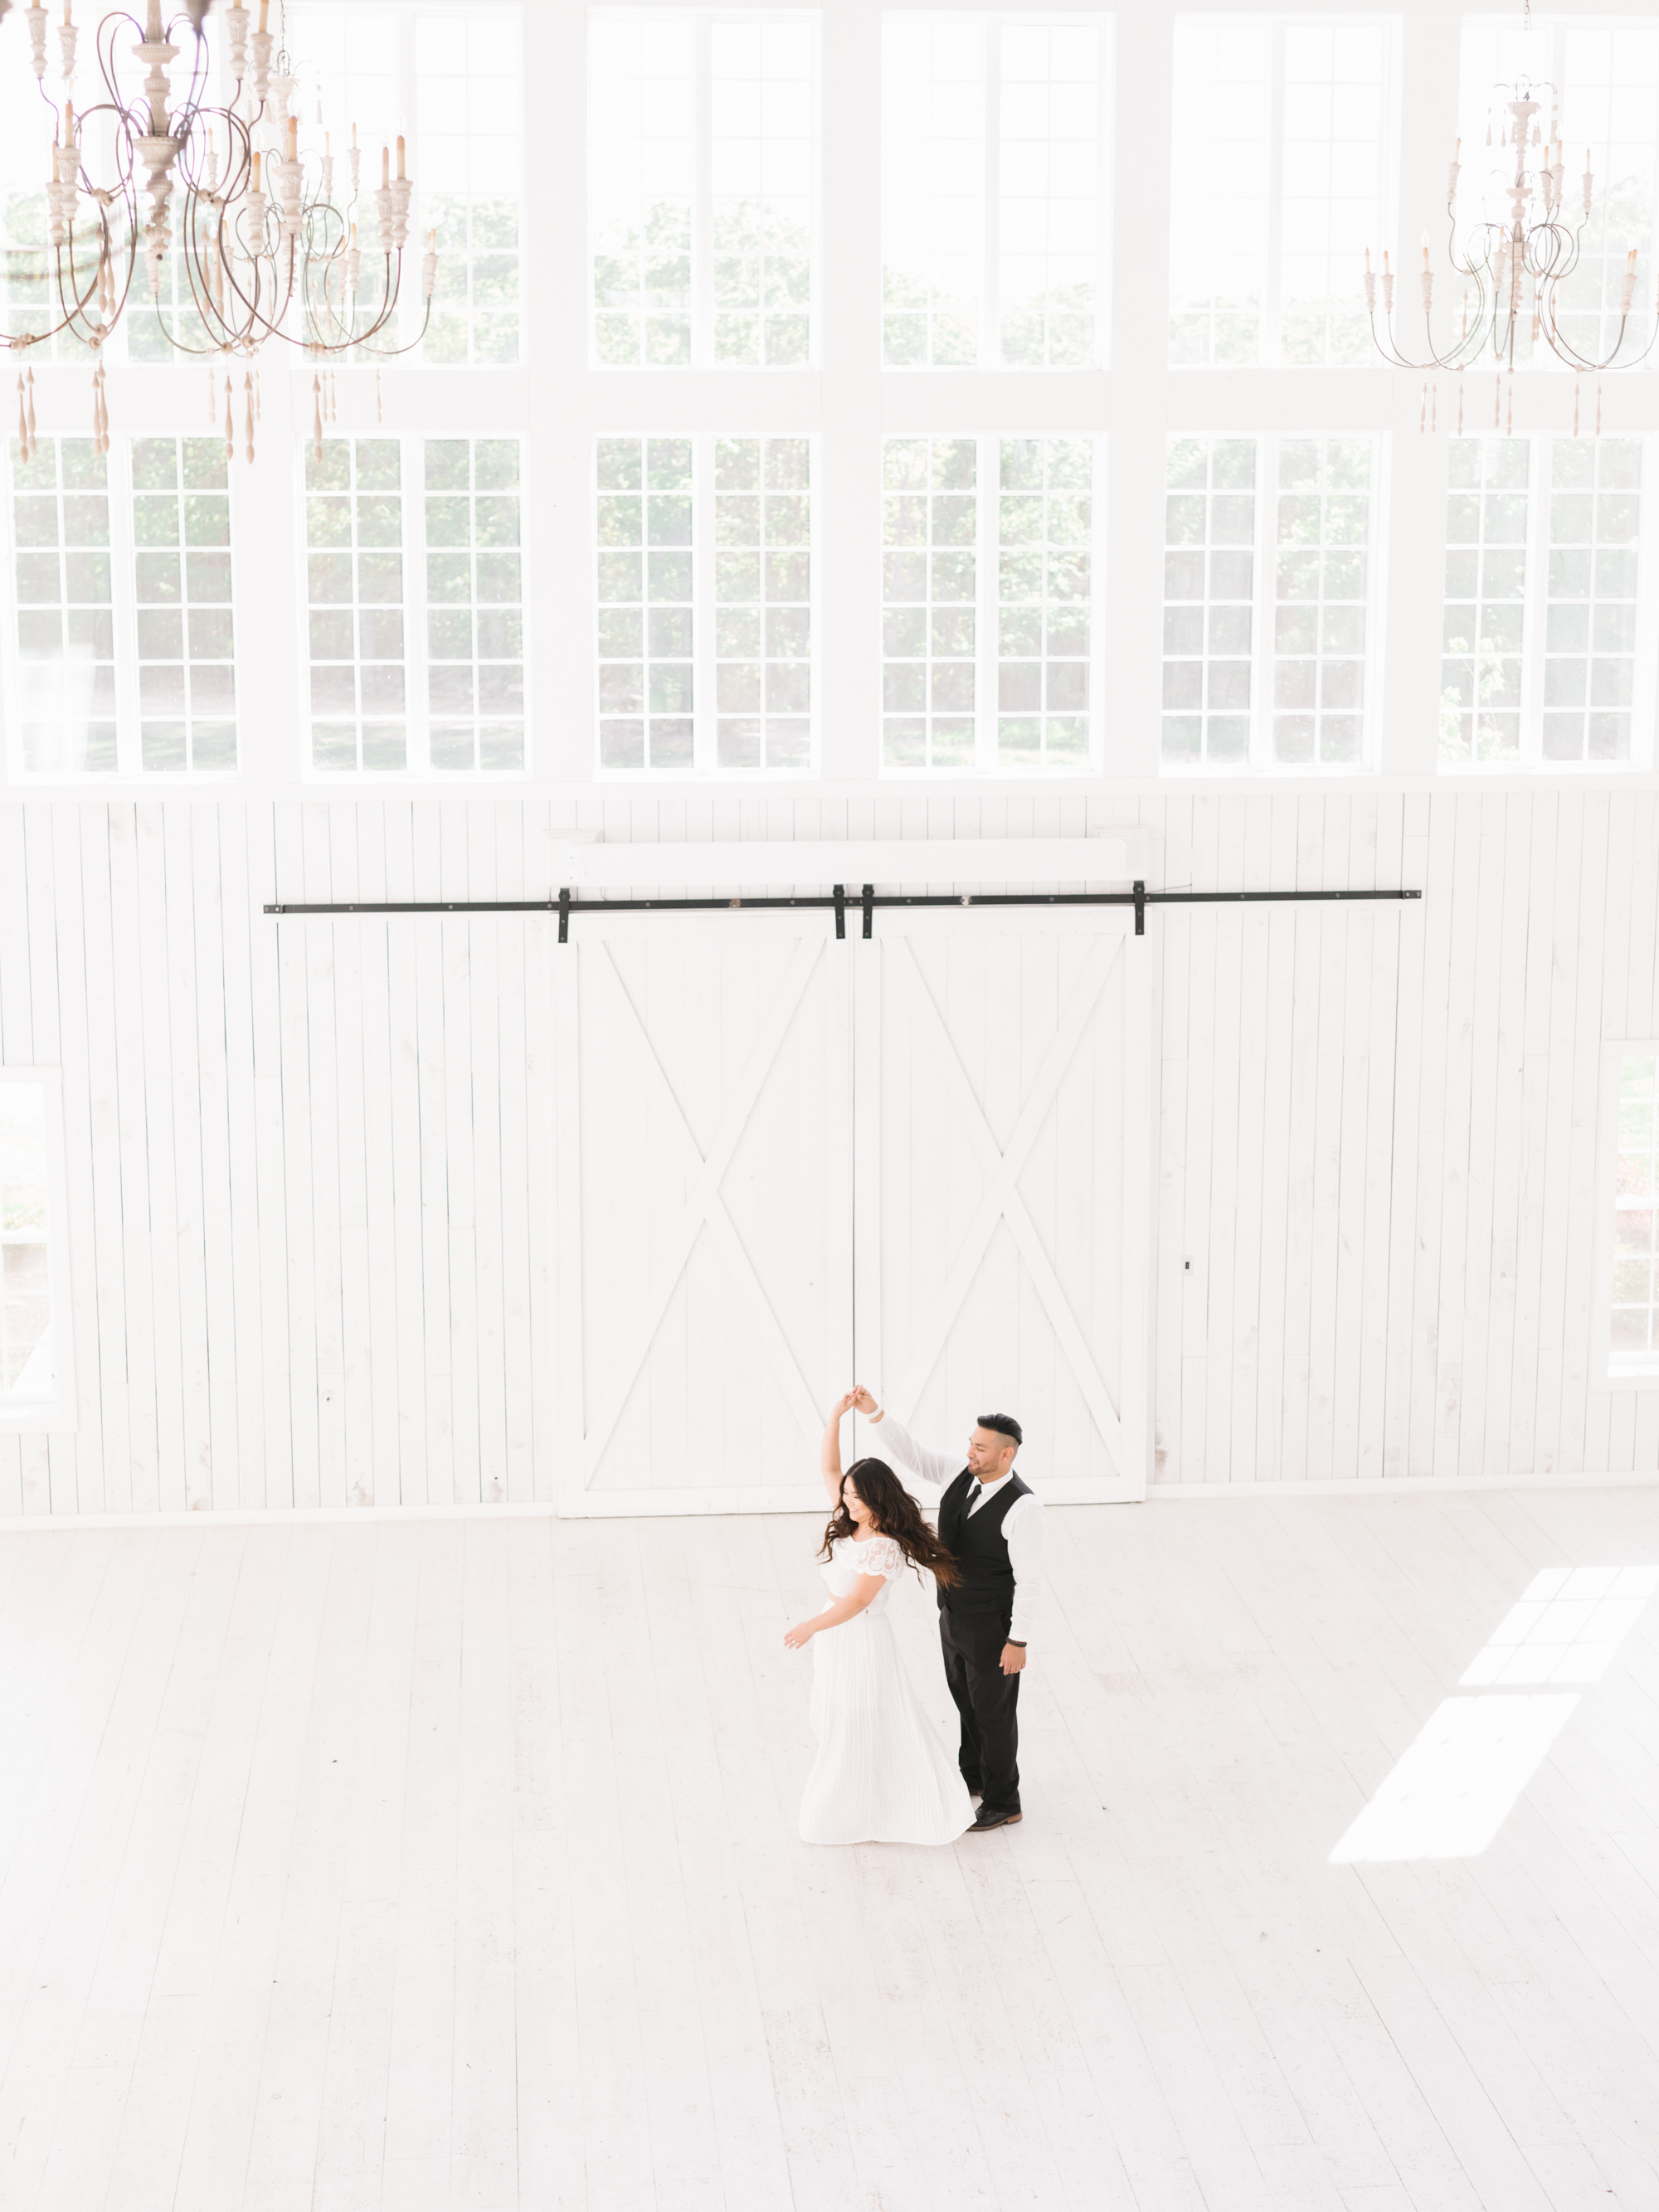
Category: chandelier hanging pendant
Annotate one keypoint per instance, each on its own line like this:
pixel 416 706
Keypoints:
pixel 1514 267
pixel 264 249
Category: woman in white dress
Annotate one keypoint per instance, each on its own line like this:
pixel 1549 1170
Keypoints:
pixel 882 1775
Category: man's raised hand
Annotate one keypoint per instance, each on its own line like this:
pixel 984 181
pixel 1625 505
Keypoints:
pixel 864 1399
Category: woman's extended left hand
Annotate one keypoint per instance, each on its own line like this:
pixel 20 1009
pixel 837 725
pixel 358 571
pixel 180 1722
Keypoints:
pixel 800 1636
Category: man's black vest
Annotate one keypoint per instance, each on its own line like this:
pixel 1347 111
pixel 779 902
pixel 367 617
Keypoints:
pixel 979 1546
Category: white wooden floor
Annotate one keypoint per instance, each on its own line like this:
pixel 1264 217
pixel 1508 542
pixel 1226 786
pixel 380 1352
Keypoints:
pixel 429 1864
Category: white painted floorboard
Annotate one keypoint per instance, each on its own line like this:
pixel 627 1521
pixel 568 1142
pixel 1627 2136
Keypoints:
pixel 453 1864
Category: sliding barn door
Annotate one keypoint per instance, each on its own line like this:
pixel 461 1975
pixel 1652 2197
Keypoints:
pixel 705 1209
pixel 1002 1170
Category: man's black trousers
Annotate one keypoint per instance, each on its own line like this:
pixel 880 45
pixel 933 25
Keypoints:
pixel 988 1702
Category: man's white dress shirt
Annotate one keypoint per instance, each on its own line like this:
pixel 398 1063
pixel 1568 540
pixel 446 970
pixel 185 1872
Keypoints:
pixel 1022 1527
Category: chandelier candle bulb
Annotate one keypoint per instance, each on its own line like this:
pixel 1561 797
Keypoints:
pixel 1451 181
pixel 1371 285
pixel 400 163
pixel 1589 181
pixel 386 168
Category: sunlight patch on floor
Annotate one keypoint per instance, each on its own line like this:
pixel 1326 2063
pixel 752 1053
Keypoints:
pixel 1457 1784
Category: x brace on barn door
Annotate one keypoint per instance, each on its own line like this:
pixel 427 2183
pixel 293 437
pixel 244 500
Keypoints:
pixel 564 905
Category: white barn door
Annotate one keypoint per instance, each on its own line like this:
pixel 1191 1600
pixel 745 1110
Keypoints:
pixel 705 1209
pixel 1002 1177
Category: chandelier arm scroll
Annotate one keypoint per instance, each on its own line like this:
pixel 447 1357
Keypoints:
pixel 268 252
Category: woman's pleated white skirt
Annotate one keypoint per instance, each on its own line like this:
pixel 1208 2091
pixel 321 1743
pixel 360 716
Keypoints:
pixel 881 1775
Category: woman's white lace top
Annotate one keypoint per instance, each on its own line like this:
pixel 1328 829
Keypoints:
pixel 876 1555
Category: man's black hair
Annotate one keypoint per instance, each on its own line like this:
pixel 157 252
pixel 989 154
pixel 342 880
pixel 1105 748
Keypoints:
pixel 1004 1424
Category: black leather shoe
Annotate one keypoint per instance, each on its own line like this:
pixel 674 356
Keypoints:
pixel 989 1819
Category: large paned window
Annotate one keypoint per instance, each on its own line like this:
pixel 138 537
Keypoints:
pixel 122 659
pixel 450 81
pixel 1267 631
pixel 704 583
pixel 36 1383
pixel 1546 651
pixel 1599 88
pixel 994 179
pixel 415 605
pixel 988 584
pixel 702 188
pixel 1280 177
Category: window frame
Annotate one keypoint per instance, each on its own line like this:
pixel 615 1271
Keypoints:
pixel 1261 760
pixel 985 768
pixel 417 770
pixel 705 768
pixel 128 773
pixel 993 23
pixel 59 1415
pixel 1530 760
pixel 702 361
pixel 1270 325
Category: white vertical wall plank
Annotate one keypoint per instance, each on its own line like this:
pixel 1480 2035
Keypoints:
pixel 182 1033
pixel 352 1011
pixel 160 1176
pixel 1571 849
pixel 1545 832
pixel 297 1190
pixel 103 1486
pixel 325 1090
pixel 47 1462
pixel 405 1479
pixel 1498 1109
pixel 1388 942
pixel 1276 1150
pixel 437 1356
pixel 1197 1221
pixel 1174 929
pixel 1587 954
pixel 271 1152
pixel 220 1480
pixel 240 924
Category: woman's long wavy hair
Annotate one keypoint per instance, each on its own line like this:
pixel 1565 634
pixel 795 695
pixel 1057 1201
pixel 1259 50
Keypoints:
pixel 894 1513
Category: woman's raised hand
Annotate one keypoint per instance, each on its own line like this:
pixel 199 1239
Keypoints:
pixel 843 1405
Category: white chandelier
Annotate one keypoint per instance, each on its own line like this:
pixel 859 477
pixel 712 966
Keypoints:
pixel 1513 266
pixel 264 249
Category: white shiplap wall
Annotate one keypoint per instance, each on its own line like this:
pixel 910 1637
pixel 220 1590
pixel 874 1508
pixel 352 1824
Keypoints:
pixel 310 1163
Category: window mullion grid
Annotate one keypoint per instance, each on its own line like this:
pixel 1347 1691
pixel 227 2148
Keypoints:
pixel 1268 339
pixel 990 319
pixel 703 204
pixel 987 508
pixel 1536 619
pixel 123 602
pixel 1261 613
pixel 418 718
pixel 704 747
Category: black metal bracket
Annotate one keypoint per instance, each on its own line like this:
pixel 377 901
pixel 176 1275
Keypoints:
pixel 564 914
pixel 870 909
pixel 841 910
pixel 1141 907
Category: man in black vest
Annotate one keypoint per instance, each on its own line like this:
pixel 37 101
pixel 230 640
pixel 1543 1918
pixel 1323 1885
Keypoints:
pixel 993 1525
